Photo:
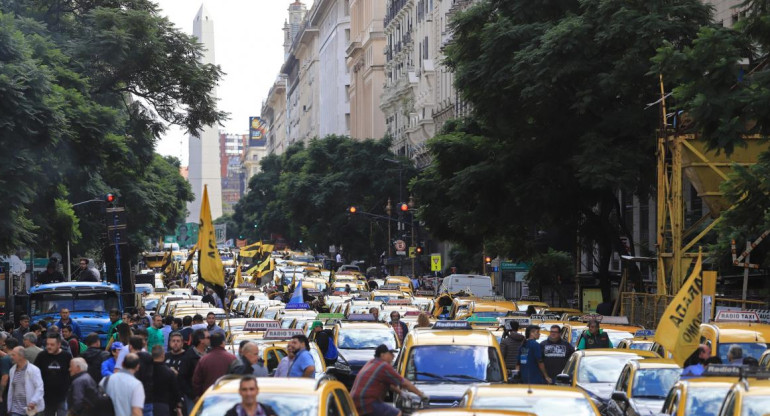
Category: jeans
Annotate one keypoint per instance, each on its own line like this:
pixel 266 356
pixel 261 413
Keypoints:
pixel 147 411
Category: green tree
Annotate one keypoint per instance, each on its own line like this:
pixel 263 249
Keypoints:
pixel 559 129
pixel 549 270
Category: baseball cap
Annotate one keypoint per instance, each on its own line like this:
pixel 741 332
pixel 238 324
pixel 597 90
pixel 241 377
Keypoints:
pixel 116 346
pixel 382 349
pixel 316 324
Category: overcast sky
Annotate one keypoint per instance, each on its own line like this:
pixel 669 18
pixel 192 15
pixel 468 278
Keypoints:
pixel 249 47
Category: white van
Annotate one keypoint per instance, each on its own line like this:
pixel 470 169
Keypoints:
pixel 473 283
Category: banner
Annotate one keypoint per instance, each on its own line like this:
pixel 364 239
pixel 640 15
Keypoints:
pixel 187 234
pixel 257 132
pixel 210 266
pixel 238 276
pixel 679 327
pixel 220 230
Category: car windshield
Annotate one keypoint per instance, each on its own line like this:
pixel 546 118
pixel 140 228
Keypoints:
pixel 654 382
pixel 642 346
pixel 617 336
pixel 705 401
pixel 359 339
pixel 601 368
pixel 454 364
pixel 542 405
pixel 755 406
pixel 491 314
pixel 41 303
pixel 283 404
pixel 750 349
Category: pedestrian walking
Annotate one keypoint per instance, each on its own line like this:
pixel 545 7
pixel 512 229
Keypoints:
pixel 37 329
pixel 303 364
pixel 74 344
pixel 510 346
pixel 556 352
pixel 64 320
pixel 108 365
pixel 124 335
pixel 211 324
pixel 114 322
pixel 209 297
pixel 124 389
pixel 167 330
pixel 531 365
pixel 54 331
pixel 31 350
pixel 136 345
pixel 166 398
pixel 324 341
pixel 175 352
pixel 94 356
pixel 23 328
pixel 423 321
pixel 375 379
pixel 197 322
pixel 83 390
pixel 249 389
pixel 594 337
pixel 200 341
pixel 399 327
pixel 155 333
pixel 249 362
pixel 50 275
pixel 212 365
pixel 142 320
pixel 376 312
pixel 54 364
pixel 187 331
pixel 25 390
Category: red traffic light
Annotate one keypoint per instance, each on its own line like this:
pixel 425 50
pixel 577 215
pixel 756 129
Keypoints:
pixel 352 210
pixel 111 198
pixel 403 207
pixel 488 259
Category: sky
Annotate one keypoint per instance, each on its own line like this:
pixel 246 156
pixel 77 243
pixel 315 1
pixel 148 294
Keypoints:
pixel 248 40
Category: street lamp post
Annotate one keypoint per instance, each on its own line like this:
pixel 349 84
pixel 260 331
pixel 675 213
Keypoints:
pixel 69 258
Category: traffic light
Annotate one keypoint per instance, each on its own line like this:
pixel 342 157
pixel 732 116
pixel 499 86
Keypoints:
pixel 404 207
pixel 488 259
pixel 419 250
pixel 110 198
pixel 352 210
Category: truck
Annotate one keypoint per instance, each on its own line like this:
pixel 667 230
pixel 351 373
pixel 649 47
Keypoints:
pixel 476 285
pixel 89 304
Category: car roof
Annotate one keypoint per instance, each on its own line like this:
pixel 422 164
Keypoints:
pixel 594 352
pixel 429 336
pixel 230 384
pixel 758 387
pixel 656 363
pixel 363 325
pixel 472 412
pixel 707 382
pixel 525 390
pixel 735 332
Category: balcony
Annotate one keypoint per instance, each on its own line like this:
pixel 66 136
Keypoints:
pixel 393 9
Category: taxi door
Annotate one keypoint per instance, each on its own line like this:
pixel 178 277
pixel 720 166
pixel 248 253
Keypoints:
pixel 273 356
pixel 332 406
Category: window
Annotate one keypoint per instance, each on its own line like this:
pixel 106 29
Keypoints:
pixel 331 406
pixel 344 402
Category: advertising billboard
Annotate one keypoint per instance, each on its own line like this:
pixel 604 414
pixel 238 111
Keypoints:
pixel 257 132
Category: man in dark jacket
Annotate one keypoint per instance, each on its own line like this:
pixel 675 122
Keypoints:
pixel 594 337
pixel 136 346
pixel 23 328
pixel 556 352
pixel 510 346
pixel 249 405
pixel 168 398
pixel 94 356
pixel 82 390
pixel 249 363
pixel 200 341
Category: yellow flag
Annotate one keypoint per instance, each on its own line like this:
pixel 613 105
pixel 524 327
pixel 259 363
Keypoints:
pixel 188 264
pixel 267 248
pixel 679 327
pixel 210 266
pixel 238 275
pixel 247 254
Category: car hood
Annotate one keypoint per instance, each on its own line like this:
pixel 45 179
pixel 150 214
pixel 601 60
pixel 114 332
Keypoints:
pixel 445 391
pixel 648 406
pixel 603 391
pixel 357 357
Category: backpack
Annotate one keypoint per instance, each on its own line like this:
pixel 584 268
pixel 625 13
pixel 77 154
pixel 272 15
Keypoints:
pixel 331 352
pixel 102 404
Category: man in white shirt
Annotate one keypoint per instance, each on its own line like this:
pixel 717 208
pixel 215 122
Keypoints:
pixel 125 390
pixel 25 387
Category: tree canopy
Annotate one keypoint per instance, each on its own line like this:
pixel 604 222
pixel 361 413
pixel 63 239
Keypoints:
pixel 88 87
pixel 559 129
pixel 305 195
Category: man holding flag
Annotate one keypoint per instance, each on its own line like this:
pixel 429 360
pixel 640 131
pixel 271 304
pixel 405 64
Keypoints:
pixel 210 268
pixel 679 328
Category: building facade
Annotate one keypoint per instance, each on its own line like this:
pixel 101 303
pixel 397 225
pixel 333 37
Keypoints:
pixel 366 65
pixel 232 149
pixel 274 114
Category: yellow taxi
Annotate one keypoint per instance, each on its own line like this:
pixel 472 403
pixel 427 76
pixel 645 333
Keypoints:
pixel 748 397
pixel 642 387
pixel 492 308
pixel 538 399
pixel 461 308
pixel 357 337
pixel 526 301
pixel 443 361
pixel 741 328
pixel 287 396
pixel 386 293
pixel 700 396
pixel 471 412
pixel 642 340
pixel 616 327
pixel 597 370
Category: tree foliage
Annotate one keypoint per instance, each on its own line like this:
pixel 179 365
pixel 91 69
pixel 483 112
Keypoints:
pixel 720 86
pixel 87 88
pixel 549 270
pixel 305 195
pixel 559 128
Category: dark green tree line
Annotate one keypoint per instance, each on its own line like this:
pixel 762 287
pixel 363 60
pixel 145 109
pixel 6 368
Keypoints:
pixel 87 89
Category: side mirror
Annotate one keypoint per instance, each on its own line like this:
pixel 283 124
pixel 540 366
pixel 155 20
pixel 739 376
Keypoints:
pixel 620 396
pixel 564 379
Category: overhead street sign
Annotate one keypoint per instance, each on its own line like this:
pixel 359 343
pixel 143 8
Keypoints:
pixel 435 262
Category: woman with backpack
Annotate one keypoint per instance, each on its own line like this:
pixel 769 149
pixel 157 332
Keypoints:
pixel 325 342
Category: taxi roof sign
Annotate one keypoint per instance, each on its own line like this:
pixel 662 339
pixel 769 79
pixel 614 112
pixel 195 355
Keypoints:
pixel 390 286
pixel 737 316
pixel 547 317
pixel 412 313
pixel 297 306
pixel 398 302
pixel 330 316
pixel 644 333
pixel 523 321
pixel 482 319
pixel 254 326
pixel 361 317
pixel 456 325
pixel 282 333
pixel 424 293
